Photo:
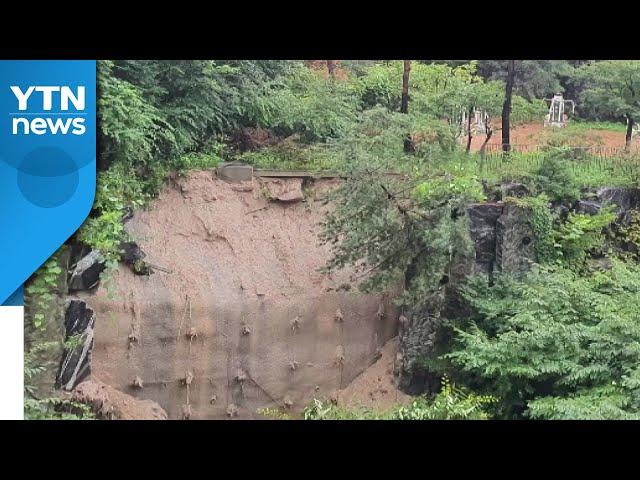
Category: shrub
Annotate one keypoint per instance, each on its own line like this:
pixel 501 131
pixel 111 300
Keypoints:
pixel 555 344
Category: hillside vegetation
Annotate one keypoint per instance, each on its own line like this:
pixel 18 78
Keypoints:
pixel 560 342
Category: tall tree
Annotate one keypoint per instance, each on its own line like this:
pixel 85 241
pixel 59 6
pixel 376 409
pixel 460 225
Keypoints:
pixel 506 106
pixel 529 78
pixel 612 90
pixel 404 102
pixel 406 72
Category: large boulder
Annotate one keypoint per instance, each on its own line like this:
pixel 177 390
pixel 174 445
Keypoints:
pixel 132 255
pixel 79 322
pixel 418 338
pixel 86 274
pixel 587 207
pixel 514 189
pixel 514 240
pixel 285 190
pixel 626 199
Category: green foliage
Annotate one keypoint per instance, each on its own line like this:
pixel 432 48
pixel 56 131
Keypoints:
pixel 527 111
pixel 630 235
pixel 131 128
pixel 198 161
pixel 540 220
pixel 275 413
pixel 555 344
pixel 451 403
pixel 555 178
pixel 567 243
pixel 306 103
pixel 41 290
pixel 579 235
pixel 611 89
pixel 533 78
pixel 291 155
pixel 578 125
pixel 394 228
pixel 49 408
pixel 104 233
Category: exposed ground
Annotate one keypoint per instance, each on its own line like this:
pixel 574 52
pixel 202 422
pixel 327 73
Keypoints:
pixel 110 404
pixel 244 320
pixel 374 388
pixel 532 135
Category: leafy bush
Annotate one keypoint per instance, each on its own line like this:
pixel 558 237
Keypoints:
pixel 306 103
pixel 555 344
pixel 556 179
pixel 451 403
pixel 579 235
pixel 540 220
pixel 41 289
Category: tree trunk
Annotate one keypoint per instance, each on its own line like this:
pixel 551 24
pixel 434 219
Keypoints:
pixel 486 140
pixel 331 69
pixel 484 144
pixel 469 135
pixel 506 106
pixel 627 140
pixel 404 103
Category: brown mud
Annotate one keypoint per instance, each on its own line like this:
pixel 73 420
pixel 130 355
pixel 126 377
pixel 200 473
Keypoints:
pixel 244 320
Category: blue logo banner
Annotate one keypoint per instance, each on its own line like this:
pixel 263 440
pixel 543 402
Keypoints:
pixel 47 162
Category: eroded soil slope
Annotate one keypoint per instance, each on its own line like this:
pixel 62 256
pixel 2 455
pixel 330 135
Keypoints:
pixel 244 320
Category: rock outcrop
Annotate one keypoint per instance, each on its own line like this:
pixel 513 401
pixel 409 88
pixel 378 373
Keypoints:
pixel 626 199
pixel 503 242
pixel 86 274
pixel 514 240
pixel 483 218
pixel 79 323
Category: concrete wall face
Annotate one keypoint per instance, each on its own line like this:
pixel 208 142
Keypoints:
pixel 253 355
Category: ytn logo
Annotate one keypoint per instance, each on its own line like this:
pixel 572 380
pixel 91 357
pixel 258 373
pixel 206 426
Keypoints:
pixel 45 120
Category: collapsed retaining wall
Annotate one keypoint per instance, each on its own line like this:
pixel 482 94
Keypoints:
pixel 238 317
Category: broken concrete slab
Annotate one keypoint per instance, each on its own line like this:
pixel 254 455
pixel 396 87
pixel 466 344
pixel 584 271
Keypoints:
pixel 285 190
pixel 235 172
